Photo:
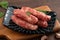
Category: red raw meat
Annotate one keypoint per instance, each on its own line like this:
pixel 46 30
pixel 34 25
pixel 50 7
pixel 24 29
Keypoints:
pixel 29 20
pixel 42 23
pixel 23 23
pixel 40 15
pixel 23 15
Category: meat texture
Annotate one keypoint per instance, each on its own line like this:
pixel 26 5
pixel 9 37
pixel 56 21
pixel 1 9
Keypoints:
pixel 23 23
pixel 29 18
pixel 40 15
pixel 42 23
pixel 23 15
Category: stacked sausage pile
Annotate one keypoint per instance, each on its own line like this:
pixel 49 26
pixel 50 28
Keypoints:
pixel 29 18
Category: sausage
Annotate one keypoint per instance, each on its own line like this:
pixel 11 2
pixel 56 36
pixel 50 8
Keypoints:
pixel 38 14
pixel 29 18
pixel 23 23
pixel 25 9
pixel 42 23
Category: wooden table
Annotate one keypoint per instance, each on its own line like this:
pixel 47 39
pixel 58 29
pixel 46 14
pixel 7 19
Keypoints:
pixel 12 35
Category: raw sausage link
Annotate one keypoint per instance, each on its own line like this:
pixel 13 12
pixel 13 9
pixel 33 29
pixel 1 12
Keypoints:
pixel 29 18
pixel 23 23
pixel 38 14
pixel 42 23
pixel 25 9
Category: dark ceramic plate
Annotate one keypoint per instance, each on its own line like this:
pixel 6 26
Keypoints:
pixel 11 25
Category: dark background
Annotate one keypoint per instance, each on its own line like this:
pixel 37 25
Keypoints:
pixel 53 4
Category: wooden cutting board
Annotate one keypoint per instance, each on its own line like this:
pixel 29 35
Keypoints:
pixel 12 35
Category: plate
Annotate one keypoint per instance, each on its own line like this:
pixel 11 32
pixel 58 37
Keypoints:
pixel 7 22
